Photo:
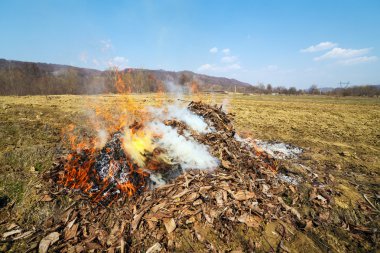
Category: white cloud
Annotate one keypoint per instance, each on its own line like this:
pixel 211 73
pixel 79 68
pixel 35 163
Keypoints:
pixel 106 45
pixel 342 53
pixel 205 67
pixel 83 57
pixel 271 68
pixel 319 47
pixel 229 59
pixel 214 50
pixel 357 60
pixel 96 62
pixel 118 61
pixel 216 68
pixel 226 51
pixel 233 66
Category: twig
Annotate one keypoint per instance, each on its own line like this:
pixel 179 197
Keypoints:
pixel 370 203
pixel 270 245
pixel 189 244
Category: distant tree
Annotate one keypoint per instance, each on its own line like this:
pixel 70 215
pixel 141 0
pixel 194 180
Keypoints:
pixel 314 89
pixel 292 90
pixel 184 79
pixel 269 88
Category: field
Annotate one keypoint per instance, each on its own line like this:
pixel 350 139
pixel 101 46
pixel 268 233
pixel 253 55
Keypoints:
pixel 340 138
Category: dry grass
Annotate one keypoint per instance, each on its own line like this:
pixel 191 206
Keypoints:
pixel 341 136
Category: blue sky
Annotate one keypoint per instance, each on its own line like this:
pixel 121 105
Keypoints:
pixel 288 43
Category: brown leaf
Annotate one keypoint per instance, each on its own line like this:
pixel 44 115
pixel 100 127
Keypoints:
pixel 193 196
pixel 48 240
pixel 92 246
pixel 71 223
pixel 155 248
pixel 190 220
pixel 179 195
pixel 244 195
pixel 158 207
pixel 71 232
pixel 13 232
pixel 197 202
pixel 169 224
pixel 204 189
pixel 12 226
pixel 250 220
pixel 219 198
pixel 46 198
pixel 309 225
pixel 324 216
pixel 137 218
pixel 226 164
pixel 24 235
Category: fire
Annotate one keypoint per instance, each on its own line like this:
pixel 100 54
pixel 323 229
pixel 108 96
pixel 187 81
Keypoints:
pixel 130 145
pixel 136 143
pixel 113 162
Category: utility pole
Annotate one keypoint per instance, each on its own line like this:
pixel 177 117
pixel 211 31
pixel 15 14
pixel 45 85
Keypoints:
pixel 235 89
pixel 346 84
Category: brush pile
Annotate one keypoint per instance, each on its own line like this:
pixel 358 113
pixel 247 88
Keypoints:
pixel 223 210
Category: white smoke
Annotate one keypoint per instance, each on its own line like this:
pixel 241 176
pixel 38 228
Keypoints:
pixel 187 152
pixel 102 138
pixel 172 87
pixel 183 114
pixel 226 105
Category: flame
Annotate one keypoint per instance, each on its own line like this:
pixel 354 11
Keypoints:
pixel 79 169
pixel 137 143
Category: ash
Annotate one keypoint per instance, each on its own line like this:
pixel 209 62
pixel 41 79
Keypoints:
pixel 112 161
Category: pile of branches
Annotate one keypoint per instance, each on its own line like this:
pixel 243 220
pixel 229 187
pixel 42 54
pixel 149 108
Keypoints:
pixel 223 210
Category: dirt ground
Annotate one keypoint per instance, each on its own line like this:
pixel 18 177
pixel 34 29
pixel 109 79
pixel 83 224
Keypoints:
pixel 340 138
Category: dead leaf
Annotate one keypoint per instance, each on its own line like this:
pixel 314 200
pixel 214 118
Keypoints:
pixel 265 188
pixel 190 220
pixel 137 218
pixel 226 164
pixel 47 241
pixel 179 195
pixel 197 202
pixel 219 198
pixel 71 232
pixel 244 195
pixel 10 233
pixel 24 235
pixel 193 196
pixel 12 226
pixel 158 207
pixel 309 225
pixel 155 248
pixel 71 223
pixel 92 246
pixel 46 198
pixel 250 220
pixel 204 189
pixel 169 224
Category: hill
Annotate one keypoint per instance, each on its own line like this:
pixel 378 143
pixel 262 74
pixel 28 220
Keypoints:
pixel 30 78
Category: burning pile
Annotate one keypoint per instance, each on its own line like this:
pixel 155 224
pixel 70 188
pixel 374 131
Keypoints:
pixel 137 157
